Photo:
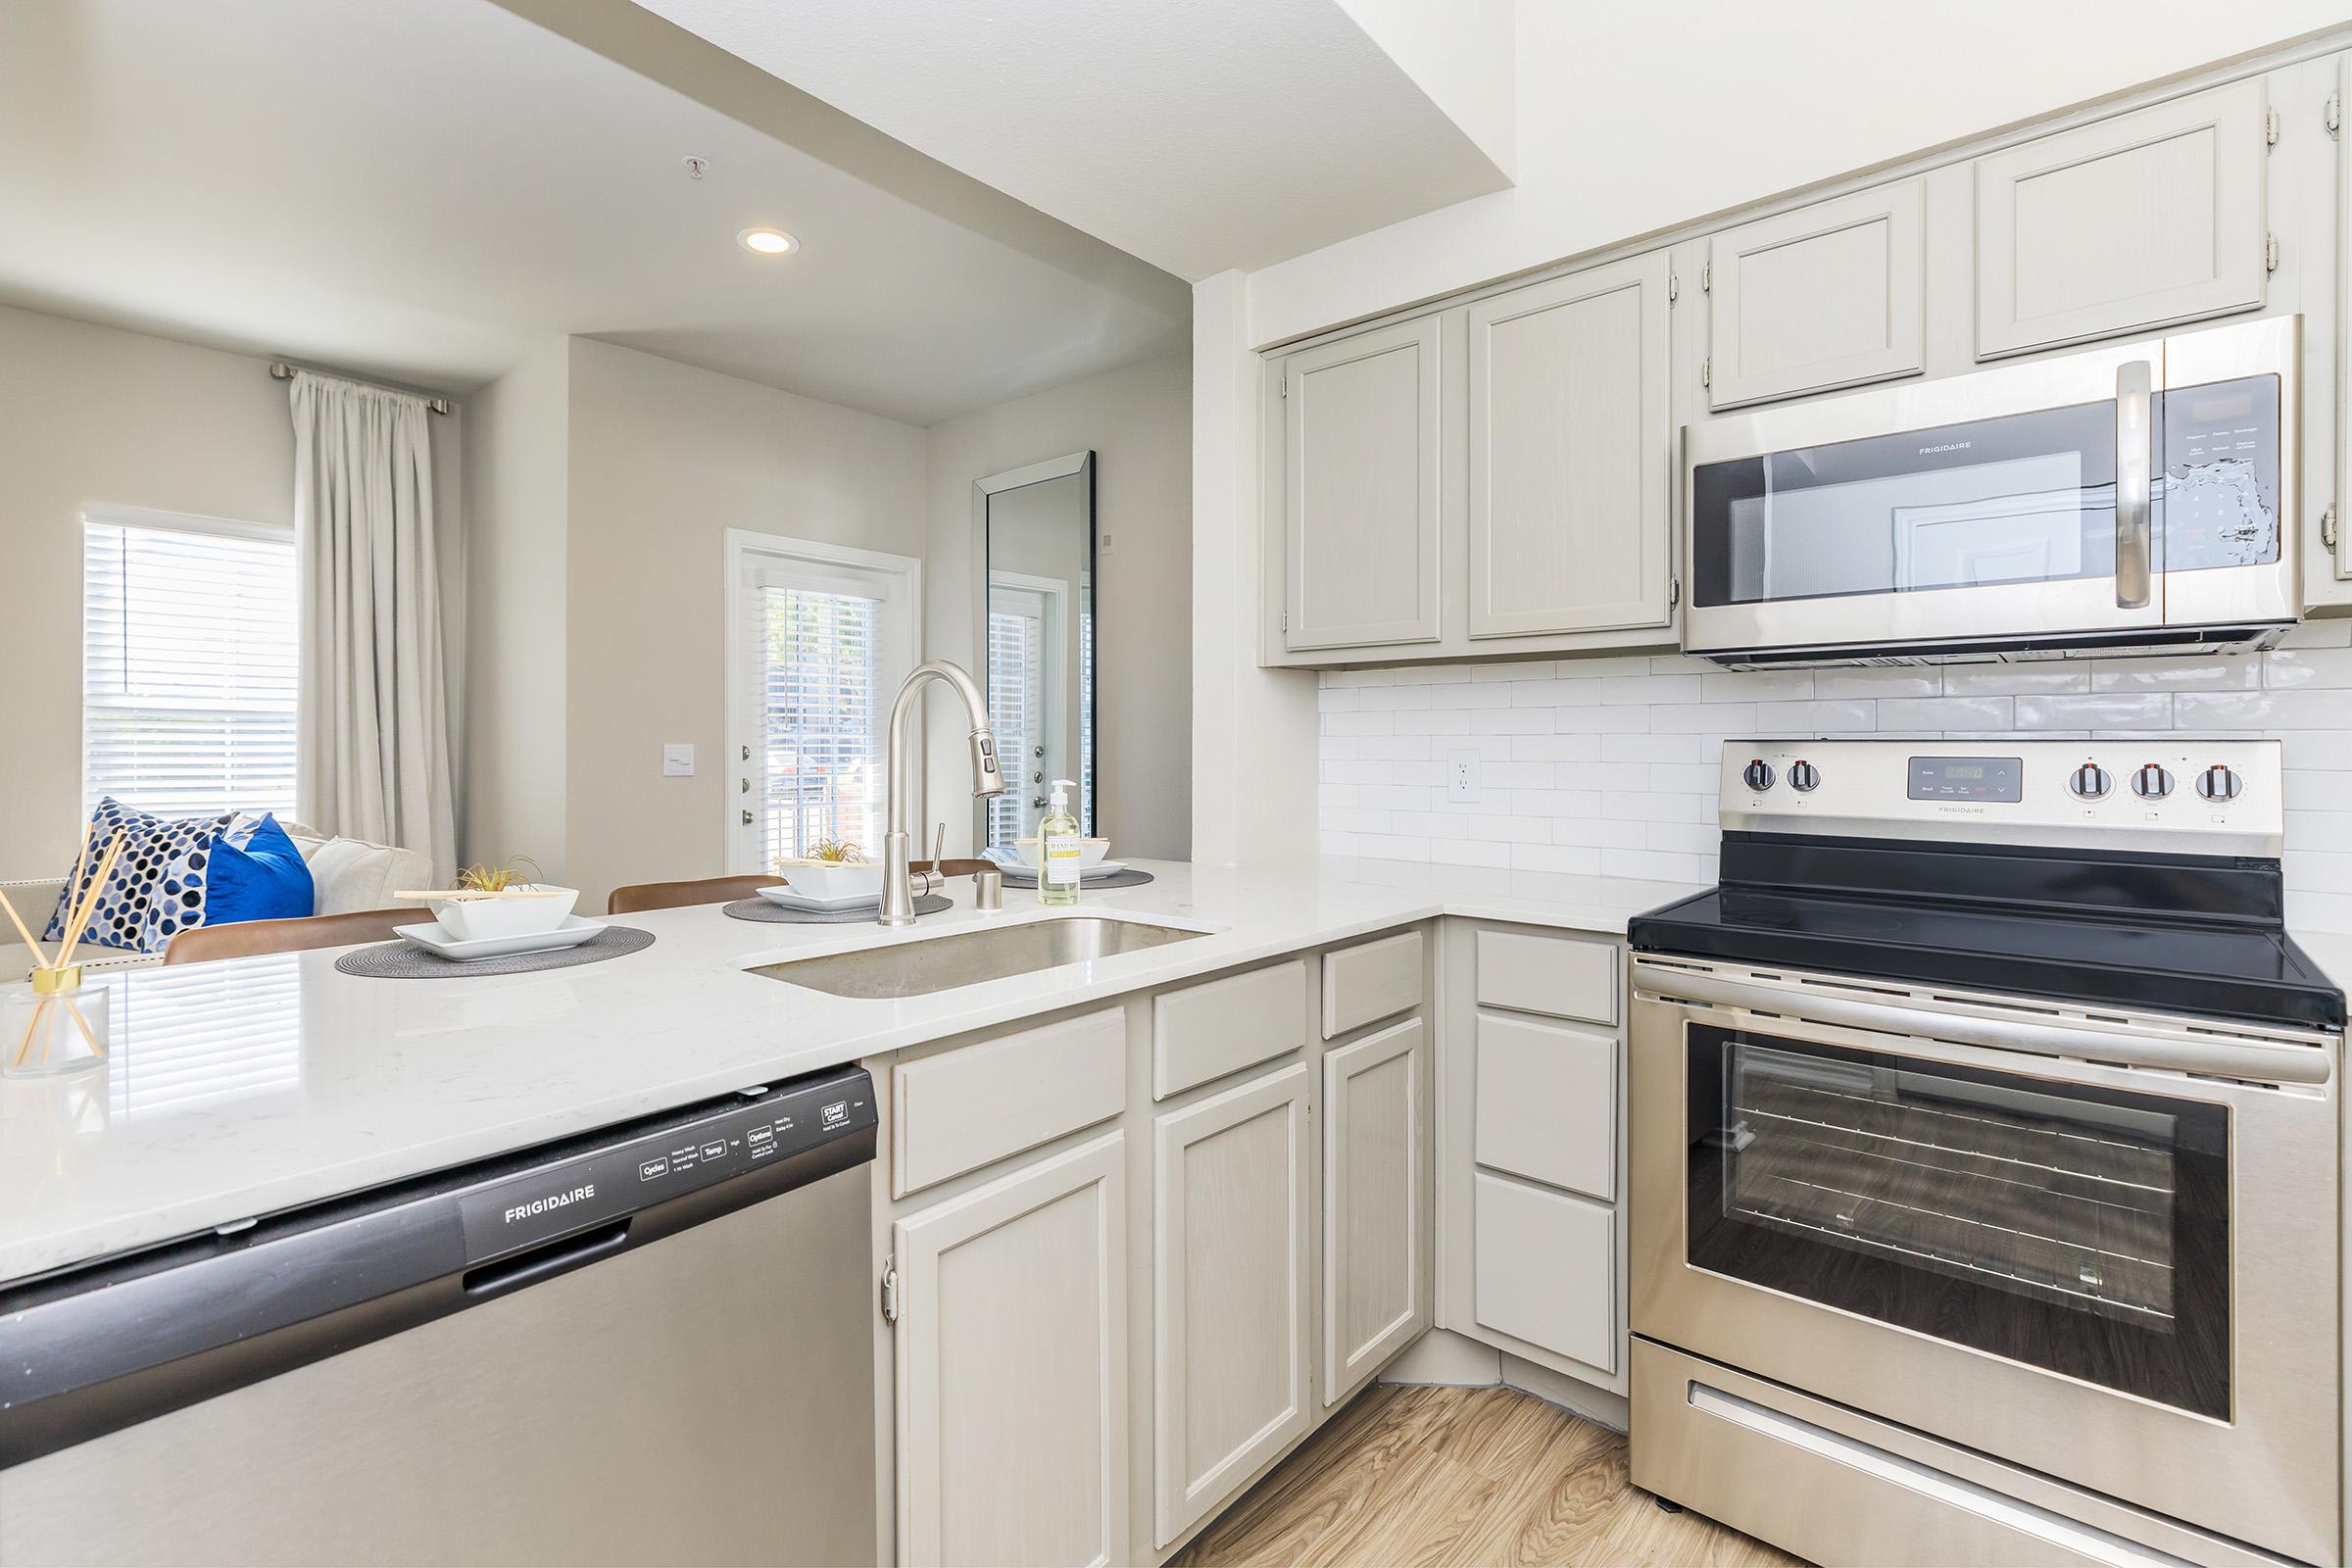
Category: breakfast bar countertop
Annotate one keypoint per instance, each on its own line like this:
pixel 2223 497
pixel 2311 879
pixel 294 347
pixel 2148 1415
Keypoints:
pixel 249 1086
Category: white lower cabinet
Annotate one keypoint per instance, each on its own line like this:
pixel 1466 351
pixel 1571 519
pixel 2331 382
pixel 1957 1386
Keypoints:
pixel 1547 1269
pixel 1375 1208
pixel 1012 1367
pixel 1233 1248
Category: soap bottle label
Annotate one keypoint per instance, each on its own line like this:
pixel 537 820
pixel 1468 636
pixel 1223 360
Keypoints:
pixel 1061 861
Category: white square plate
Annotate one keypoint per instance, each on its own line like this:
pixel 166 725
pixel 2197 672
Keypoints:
pixel 431 937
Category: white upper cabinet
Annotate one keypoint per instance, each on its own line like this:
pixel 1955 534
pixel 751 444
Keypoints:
pixel 1361 451
pixel 1570 444
pixel 2139 221
pixel 1829 295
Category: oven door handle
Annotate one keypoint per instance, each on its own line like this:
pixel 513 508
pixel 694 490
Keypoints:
pixel 2135 534
pixel 2248 1059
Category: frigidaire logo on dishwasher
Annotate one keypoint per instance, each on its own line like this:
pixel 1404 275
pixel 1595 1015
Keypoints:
pixel 539 1205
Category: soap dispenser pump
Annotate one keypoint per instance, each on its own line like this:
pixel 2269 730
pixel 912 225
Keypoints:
pixel 1057 849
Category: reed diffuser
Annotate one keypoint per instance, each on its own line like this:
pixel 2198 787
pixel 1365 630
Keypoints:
pixel 51 1024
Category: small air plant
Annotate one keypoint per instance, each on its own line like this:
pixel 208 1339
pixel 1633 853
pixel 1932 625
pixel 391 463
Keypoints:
pixel 500 877
pixel 836 852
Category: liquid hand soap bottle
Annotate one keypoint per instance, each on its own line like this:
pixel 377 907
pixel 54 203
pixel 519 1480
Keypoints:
pixel 1057 849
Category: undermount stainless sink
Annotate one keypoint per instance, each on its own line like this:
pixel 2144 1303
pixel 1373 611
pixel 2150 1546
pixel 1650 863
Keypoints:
pixel 969 957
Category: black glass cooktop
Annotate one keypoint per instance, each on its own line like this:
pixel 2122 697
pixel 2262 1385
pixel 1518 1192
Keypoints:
pixel 2164 935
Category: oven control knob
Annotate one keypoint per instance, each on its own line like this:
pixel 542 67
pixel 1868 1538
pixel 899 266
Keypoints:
pixel 2090 782
pixel 2153 782
pixel 1805 776
pixel 2219 783
pixel 1758 774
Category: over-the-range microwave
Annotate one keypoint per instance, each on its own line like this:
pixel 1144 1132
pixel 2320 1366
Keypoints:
pixel 2129 498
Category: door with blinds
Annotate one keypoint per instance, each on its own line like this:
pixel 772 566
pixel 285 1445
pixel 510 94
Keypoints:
pixel 823 639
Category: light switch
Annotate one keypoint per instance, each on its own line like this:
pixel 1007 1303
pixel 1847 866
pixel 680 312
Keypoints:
pixel 677 760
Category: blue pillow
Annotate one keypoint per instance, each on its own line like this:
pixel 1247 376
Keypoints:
pixel 159 881
pixel 258 875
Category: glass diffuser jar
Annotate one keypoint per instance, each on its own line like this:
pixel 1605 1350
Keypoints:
pixel 52 1024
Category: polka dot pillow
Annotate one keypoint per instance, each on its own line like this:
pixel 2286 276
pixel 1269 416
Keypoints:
pixel 157 886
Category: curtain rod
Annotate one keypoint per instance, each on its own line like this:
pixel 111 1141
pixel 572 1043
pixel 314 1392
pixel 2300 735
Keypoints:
pixel 280 370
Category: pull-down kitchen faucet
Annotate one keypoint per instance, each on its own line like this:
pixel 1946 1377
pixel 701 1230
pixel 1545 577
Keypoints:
pixel 898 892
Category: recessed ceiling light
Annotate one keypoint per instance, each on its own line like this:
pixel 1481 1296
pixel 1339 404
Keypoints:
pixel 767 241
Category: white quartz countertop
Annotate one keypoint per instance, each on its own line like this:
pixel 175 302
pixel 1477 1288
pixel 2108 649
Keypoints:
pixel 249 1086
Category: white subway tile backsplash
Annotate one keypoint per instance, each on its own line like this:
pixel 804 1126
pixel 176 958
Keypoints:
pixel 1611 766
pixel 2098 711
pixel 1936 713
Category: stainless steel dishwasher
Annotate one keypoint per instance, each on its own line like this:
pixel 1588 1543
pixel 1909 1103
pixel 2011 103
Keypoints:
pixel 652 1343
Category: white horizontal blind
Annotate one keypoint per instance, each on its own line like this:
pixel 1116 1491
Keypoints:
pixel 1015 702
pixel 819 720
pixel 189 665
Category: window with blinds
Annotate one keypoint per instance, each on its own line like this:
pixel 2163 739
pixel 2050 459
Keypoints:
pixel 1016 635
pixel 820 720
pixel 190 664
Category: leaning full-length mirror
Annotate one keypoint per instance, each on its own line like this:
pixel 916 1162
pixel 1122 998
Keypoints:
pixel 1034 550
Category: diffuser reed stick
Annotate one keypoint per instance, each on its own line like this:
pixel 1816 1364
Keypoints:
pixel 58 990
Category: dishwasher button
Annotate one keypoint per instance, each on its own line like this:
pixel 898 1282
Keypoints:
pixel 717 1150
pixel 837 1115
pixel 647 1170
pixel 760 1135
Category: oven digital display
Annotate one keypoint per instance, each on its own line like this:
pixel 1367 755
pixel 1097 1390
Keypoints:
pixel 1968 778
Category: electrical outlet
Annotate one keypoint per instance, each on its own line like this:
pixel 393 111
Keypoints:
pixel 1462 776
pixel 677 760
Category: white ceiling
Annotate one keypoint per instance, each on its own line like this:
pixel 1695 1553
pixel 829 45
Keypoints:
pixel 425 190
pixel 1197 134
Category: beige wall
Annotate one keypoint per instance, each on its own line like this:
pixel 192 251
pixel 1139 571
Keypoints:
pixel 95 416
pixel 1138 421
pixel 512 799
pixel 664 459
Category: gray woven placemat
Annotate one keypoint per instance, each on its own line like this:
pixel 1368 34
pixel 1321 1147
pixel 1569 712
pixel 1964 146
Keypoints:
pixel 776 915
pixel 1129 878
pixel 404 961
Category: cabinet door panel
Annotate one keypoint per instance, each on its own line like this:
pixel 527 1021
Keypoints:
pixel 1829 295
pixel 1361 458
pixel 1548 1103
pixel 1375 1217
pixel 2142 221
pixel 1570 512
pixel 1547 1270
pixel 1012 1367
pixel 1231 1329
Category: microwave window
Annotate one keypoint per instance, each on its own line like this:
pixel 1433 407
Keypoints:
pixel 2025 498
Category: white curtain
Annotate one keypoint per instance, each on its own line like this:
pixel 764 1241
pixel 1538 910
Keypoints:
pixel 374 742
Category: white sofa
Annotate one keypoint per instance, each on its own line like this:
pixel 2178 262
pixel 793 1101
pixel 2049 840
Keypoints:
pixel 347 873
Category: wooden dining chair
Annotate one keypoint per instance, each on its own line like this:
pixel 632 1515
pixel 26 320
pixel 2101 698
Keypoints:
pixel 243 937
pixel 673 895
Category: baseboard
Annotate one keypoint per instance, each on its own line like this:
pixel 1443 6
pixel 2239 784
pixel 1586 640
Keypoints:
pixel 1574 1395
pixel 1442 1356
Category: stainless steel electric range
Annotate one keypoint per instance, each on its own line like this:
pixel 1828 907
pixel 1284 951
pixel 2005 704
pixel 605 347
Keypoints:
pixel 1983 1162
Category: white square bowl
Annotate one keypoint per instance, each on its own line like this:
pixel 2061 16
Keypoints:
pixel 833 879
pixel 541 908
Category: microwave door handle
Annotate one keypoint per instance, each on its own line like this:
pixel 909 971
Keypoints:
pixel 2134 534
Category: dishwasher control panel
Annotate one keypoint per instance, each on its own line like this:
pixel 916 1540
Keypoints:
pixel 638 1171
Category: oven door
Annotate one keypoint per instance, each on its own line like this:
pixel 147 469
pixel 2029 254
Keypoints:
pixel 2091 496
pixel 2104 1252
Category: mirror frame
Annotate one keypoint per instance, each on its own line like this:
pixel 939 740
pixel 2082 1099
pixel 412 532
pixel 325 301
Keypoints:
pixel 1081 463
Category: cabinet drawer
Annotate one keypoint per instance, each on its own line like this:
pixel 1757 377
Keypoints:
pixel 1369 982
pixel 1546 1266
pixel 1548 1103
pixel 1206 1031
pixel 1565 976
pixel 963 1108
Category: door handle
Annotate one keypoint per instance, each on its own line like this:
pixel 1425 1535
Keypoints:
pixel 2134 485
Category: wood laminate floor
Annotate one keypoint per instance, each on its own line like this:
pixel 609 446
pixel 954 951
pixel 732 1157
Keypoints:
pixel 1431 1476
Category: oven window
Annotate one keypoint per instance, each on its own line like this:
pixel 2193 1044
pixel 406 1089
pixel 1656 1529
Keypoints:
pixel 2081 1230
